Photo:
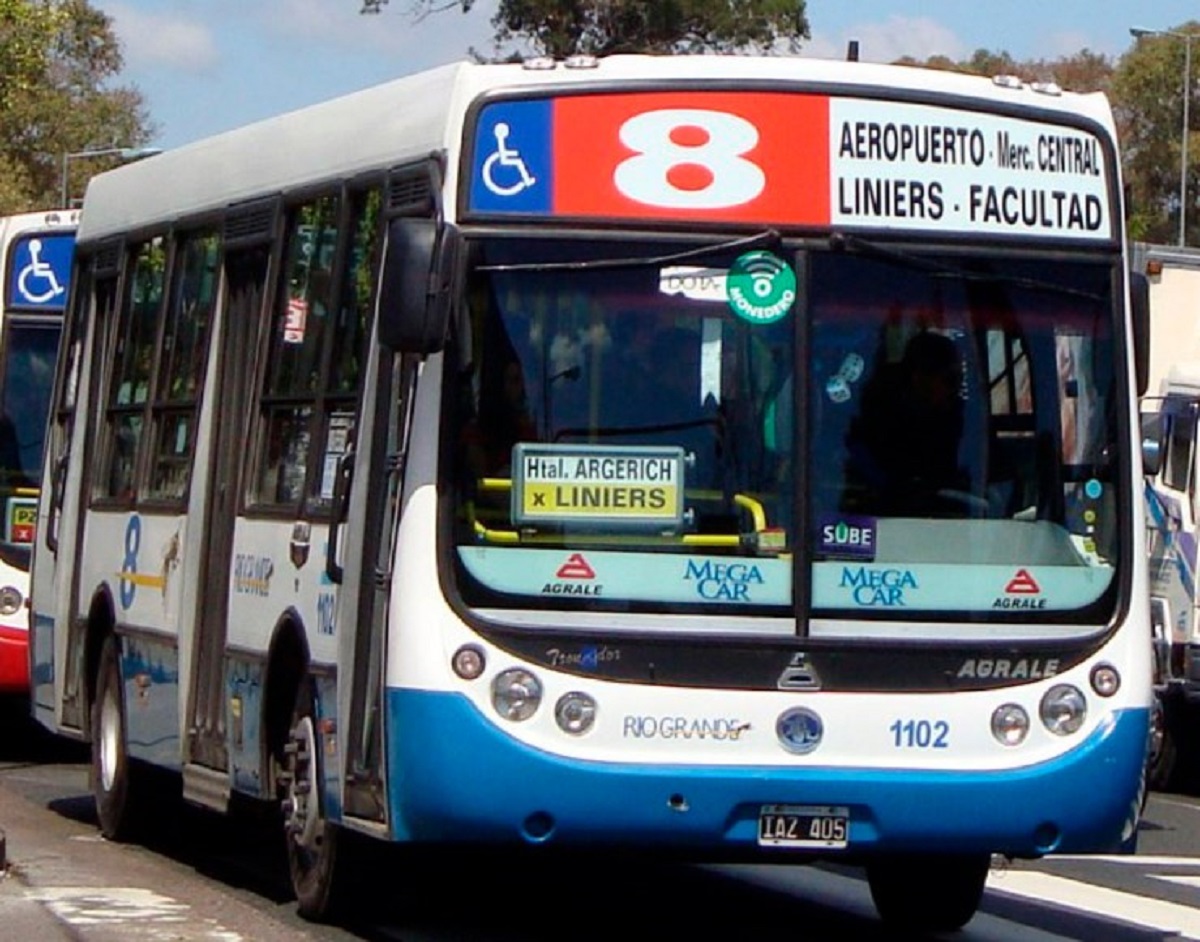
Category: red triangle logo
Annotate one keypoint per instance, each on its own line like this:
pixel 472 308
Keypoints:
pixel 576 567
pixel 1022 584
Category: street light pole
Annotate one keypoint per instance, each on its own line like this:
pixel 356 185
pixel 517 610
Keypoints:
pixel 125 153
pixel 1137 33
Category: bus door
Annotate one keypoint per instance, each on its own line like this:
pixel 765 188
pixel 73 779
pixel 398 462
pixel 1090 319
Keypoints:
pixel 59 637
pixel 246 276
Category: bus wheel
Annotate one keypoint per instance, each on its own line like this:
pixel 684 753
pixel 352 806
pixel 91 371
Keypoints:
pixel 928 893
pixel 312 841
pixel 114 780
pixel 1163 760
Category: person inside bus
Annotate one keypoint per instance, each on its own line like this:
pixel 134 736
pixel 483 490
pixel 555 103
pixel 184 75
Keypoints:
pixel 503 420
pixel 903 447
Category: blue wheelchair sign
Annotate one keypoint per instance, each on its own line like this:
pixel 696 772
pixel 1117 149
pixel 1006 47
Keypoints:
pixel 40 271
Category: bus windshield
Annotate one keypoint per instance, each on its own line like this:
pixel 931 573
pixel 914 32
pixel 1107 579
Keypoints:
pixel 30 349
pixel 626 436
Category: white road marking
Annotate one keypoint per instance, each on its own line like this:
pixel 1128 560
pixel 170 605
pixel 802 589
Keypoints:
pixel 1098 901
pixel 137 912
pixel 1193 882
pixel 1128 859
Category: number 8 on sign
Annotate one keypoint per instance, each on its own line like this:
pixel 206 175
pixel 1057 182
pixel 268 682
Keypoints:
pixel 689 158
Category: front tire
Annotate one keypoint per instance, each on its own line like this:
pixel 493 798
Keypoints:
pixel 313 842
pixel 114 781
pixel 928 893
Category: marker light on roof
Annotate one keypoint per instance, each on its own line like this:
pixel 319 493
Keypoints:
pixel 539 64
pixel 1007 81
pixel 581 62
pixel 1047 88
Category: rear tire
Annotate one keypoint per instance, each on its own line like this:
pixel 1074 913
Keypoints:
pixel 314 854
pixel 114 779
pixel 928 892
pixel 1162 764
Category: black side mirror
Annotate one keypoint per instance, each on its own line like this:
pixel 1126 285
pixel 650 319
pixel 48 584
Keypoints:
pixel 1153 433
pixel 415 285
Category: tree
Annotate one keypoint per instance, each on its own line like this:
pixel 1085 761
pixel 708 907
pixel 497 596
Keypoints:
pixel 57 60
pixel 1147 95
pixel 602 27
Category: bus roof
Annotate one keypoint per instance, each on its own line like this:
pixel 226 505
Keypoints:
pixel 421 114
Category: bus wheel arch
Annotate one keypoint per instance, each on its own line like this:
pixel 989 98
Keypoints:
pixel 115 782
pixel 286 668
pixel 101 623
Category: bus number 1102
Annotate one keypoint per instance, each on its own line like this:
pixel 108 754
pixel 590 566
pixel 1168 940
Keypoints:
pixel 920 734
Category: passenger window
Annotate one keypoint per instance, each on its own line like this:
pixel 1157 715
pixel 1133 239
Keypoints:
pixel 317 348
pixel 182 364
pixel 132 368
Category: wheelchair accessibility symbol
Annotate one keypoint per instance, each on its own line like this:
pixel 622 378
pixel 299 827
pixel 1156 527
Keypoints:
pixel 504 171
pixel 37 282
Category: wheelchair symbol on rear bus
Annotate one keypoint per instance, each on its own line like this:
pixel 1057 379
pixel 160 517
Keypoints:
pixel 37 282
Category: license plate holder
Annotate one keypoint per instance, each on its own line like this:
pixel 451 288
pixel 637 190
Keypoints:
pixel 820 826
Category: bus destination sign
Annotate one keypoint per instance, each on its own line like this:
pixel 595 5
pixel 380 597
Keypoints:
pixel 604 487
pixel 775 158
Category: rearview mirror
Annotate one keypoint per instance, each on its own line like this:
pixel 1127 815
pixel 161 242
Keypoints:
pixel 415 285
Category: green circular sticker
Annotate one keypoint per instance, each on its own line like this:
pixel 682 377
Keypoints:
pixel 761 288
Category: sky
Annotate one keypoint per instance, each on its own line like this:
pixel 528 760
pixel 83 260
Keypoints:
pixel 206 66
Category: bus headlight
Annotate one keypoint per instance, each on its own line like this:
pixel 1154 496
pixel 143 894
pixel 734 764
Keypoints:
pixel 1063 709
pixel 468 662
pixel 1105 680
pixel 575 713
pixel 516 694
pixel 1010 724
pixel 10 600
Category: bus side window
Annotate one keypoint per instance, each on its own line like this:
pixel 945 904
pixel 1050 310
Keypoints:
pixel 317 348
pixel 181 366
pixel 132 369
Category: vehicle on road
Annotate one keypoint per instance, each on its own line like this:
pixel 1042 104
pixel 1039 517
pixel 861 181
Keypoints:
pixel 723 457
pixel 35 267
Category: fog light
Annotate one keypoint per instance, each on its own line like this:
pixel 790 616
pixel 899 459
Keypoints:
pixel 10 600
pixel 1010 724
pixel 468 662
pixel 1105 680
pixel 1063 709
pixel 516 694
pixel 575 713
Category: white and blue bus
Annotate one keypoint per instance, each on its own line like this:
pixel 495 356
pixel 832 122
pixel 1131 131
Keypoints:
pixel 730 457
pixel 35 267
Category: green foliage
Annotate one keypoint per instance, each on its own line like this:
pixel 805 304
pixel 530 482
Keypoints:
pixel 58 59
pixel 562 28
pixel 1147 94
pixel 567 27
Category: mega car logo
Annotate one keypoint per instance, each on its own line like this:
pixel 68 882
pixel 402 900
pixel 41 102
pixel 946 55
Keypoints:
pixel 723 582
pixel 878 587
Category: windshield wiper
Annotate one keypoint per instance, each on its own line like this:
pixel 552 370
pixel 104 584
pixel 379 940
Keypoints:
pixel 840 241
pixel 768 237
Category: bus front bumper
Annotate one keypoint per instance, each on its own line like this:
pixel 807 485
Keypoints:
pixel 454 777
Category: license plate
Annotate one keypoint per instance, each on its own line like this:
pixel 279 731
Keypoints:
pixel 803 826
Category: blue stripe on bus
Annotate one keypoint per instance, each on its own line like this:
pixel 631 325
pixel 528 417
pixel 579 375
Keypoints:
pixel 455 777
